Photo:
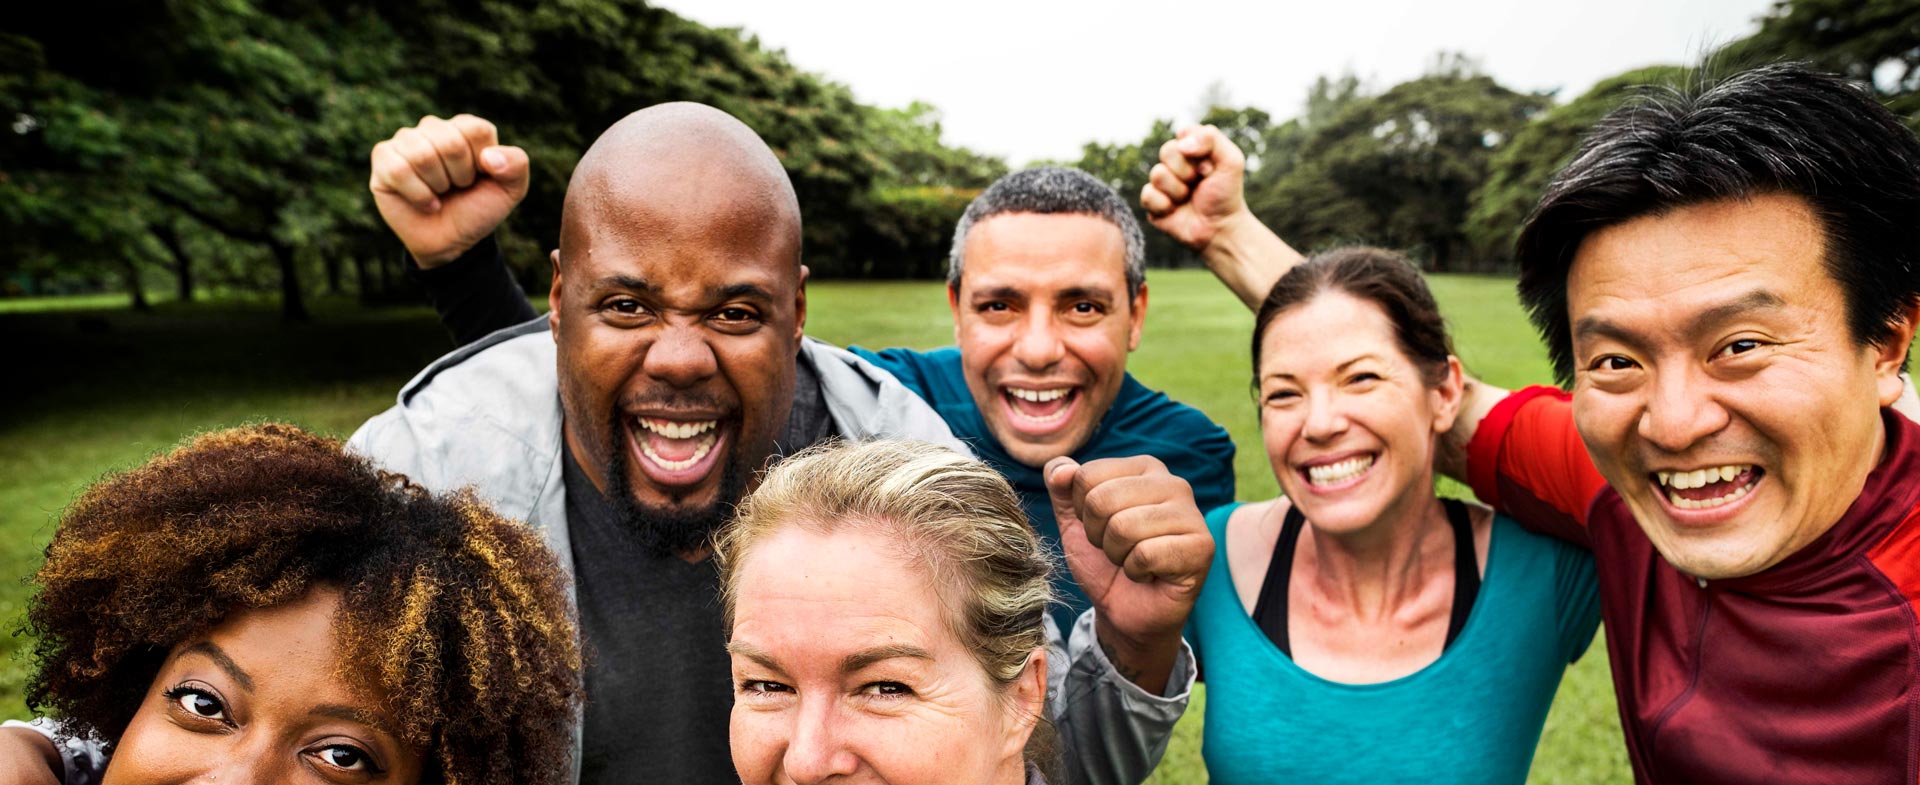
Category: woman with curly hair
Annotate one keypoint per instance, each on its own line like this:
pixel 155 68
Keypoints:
pixel 257 606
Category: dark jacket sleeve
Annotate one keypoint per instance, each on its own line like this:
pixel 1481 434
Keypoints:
pixel 474 294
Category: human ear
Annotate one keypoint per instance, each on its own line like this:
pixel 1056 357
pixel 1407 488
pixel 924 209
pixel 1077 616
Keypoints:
pixel 1027 699
pixel 1446 396
pixel 553 297
pixel 953 302
pixel 1137 316
pixel 800 306
pixel 1891 355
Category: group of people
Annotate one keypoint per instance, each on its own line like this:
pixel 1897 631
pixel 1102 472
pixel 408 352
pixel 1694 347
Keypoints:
pixel 694 545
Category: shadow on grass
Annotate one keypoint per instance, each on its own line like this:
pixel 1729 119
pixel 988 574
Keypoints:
pixel 85 361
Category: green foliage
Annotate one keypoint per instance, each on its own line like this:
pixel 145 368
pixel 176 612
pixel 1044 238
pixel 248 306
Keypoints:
pixel 1125 166
pixel 1399 168
pixel 1519 171
pixel 235 132
pixel 1873 42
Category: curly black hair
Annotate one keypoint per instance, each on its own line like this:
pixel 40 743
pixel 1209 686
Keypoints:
pixel 460 615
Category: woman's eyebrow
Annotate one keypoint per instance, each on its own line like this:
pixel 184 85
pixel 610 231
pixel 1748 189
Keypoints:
pixel 861 659
pixel 212 651
pixel 349 714
pixel 755 653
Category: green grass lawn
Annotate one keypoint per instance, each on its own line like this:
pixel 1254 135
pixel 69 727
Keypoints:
pixel 98 389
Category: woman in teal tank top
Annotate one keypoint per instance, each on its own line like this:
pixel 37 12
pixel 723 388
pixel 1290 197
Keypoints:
pixel 1361 629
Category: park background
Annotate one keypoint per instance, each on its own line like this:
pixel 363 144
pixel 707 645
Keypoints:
pixel 186 241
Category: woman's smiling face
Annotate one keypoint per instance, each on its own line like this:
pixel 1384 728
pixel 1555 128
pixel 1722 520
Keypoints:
pixel 260 699
pixel 1350 422
pixel 846 668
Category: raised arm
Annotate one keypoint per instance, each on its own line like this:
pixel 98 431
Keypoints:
pixel 443 187
pixel 1196 195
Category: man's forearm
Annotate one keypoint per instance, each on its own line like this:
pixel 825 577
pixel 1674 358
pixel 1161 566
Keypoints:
pixel 1477 399
pixel 1249 258
pixel 475 294
pixel 1146 663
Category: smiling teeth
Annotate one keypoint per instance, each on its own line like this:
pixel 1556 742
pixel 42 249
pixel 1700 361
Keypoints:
pixel 700 450
pixel 1701 478
pixel 1039 396
pixel 1328 474
pixel 677 430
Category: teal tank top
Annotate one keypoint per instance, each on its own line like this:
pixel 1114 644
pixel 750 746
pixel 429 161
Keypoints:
pixel 1472 717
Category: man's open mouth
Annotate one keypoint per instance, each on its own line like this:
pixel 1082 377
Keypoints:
pixel 1039 409
pixel 1706 489
pixel 676 451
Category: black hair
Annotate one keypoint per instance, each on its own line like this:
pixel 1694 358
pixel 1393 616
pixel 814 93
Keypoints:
pixel 1781 128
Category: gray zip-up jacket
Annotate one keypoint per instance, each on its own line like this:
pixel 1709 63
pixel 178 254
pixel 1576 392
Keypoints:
pixel 488 415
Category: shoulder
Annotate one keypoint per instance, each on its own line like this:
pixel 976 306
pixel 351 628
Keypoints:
pixel 933 375
pixel 486 415
pixel 1173 428
pixel 1541 560
pixel 1218 517
pixel 867 400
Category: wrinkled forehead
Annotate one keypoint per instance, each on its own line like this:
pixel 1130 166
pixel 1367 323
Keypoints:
pixel 1704 263
pixel 706 222
pixel 1044 251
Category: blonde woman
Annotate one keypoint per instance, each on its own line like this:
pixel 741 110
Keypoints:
pixel 886 613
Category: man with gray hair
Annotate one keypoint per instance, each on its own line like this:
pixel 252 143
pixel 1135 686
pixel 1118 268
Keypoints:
pixel 1047 282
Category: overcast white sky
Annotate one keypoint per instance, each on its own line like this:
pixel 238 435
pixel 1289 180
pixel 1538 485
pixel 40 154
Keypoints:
pixel 1030 79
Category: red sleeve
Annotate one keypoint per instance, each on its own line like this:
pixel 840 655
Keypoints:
pixel 1526 460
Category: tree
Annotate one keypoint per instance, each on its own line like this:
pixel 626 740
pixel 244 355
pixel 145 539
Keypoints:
pixel 1519 171
pixel 1399 168
pixel 1873 42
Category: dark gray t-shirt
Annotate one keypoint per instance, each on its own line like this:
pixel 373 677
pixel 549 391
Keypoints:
pixel 658 683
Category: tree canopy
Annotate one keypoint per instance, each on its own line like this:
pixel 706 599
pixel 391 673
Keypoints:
pixel 225 142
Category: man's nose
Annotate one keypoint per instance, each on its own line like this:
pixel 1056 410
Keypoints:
pixel 1038 345
pixel 680 356
pixel 1680 411
pixel 816 751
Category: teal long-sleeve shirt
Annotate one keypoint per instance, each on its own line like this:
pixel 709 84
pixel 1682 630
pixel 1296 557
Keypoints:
pixel 1140 422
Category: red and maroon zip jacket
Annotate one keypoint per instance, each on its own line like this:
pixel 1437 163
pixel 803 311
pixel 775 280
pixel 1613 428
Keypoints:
pixel 1802 673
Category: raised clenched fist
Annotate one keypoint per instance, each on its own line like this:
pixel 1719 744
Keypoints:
pixel 444 185
pixel 1196 187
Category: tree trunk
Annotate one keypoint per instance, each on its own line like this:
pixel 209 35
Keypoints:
pixel 182 264
pixel 386 277
pixel 133 287
pixel 332 264
pixel 361 280
pixel 293 307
